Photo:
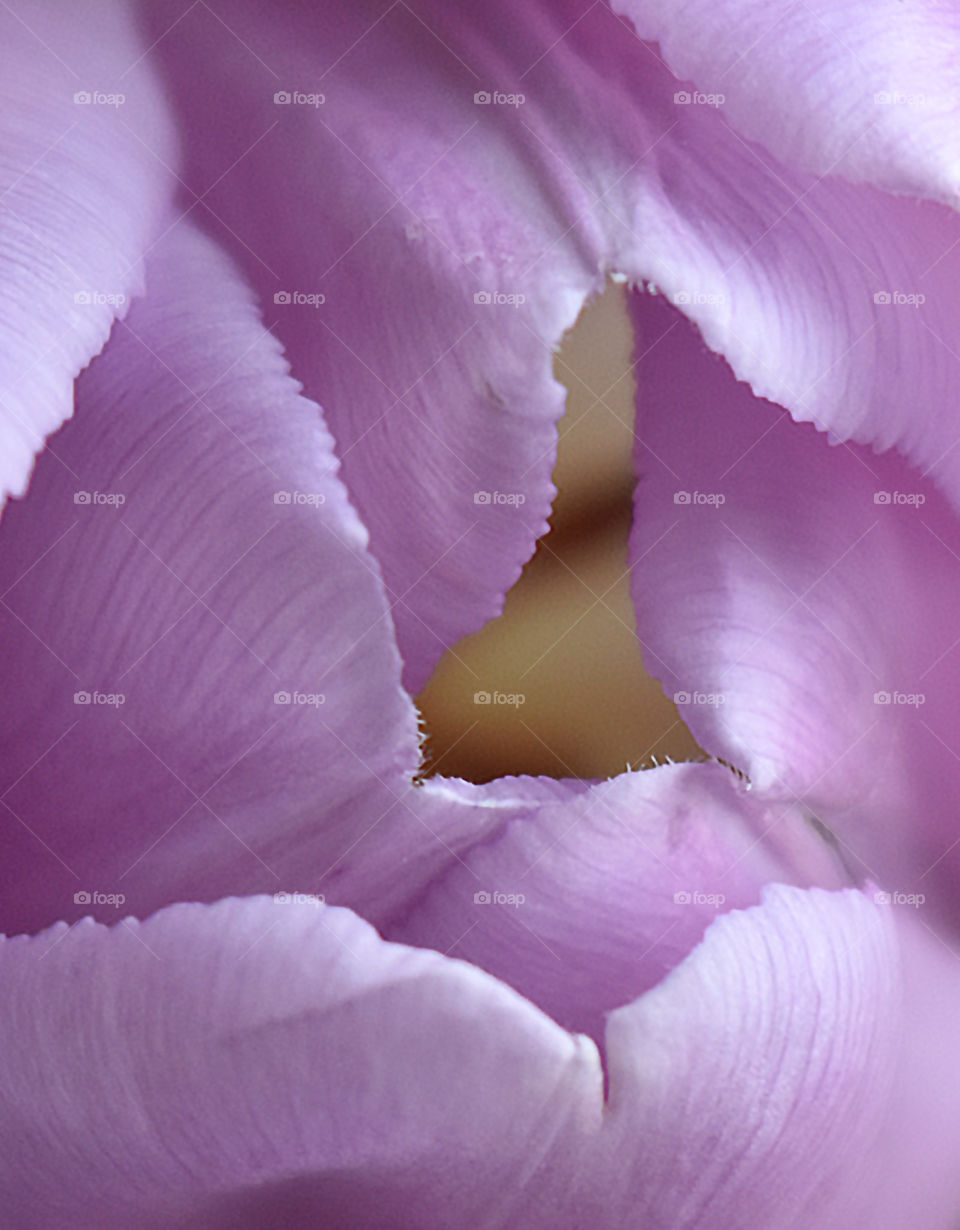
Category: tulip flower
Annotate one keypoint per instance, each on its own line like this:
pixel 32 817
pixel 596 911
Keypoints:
pixel 283 287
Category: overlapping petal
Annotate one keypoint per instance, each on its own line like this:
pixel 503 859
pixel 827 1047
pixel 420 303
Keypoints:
pixel 453 236
pixel 250 1062
pixel 801 601
pixel 378 184
pixel 767 1054
pixel 586 902
pixel 203 688
pixel 85 143
pixel 207 697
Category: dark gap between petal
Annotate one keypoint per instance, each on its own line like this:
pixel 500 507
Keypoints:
pixel 556 686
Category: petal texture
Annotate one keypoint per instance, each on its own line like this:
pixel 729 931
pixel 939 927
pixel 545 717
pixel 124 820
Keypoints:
pixel 256 1063
pixel 450 238
pixel 866 89
pixel 335 1072
pixel 800 600
pixel 421 253
pixel 85 148
pixel 204 685
pixel 587 902
pixel 757 1072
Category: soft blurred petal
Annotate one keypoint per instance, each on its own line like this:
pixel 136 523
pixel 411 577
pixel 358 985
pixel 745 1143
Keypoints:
pixel 85 144
pixel 914 1178
pixel 864 89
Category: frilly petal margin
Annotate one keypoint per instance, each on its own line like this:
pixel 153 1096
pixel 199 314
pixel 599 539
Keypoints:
pixel 202 684
pixel 85 148
pixel 335 1071
pixel 452 241
pixel 800 600
pixel 864 89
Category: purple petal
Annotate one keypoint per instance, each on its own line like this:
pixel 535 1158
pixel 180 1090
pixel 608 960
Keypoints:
pixel 336 1075
pixel 203 685
pixel 914 1178
pixel 587 902
pixel 834 300
pixel 800 601
pixel 256 1064
pixel 401 200
pixel 864 89
pixel 85 148
pixel 756 1075
pixel 398 199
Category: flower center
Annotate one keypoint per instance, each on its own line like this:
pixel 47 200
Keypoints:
pixel 556 685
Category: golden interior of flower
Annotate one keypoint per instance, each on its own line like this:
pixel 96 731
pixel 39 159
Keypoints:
pixel 556 685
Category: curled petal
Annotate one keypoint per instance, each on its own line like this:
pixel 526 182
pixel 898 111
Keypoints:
pixel 204 685
pixel 340 1073
pixel 85 148
pixel 424 200
pixel 800 602
pixel 588 901
pixel 254 1062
